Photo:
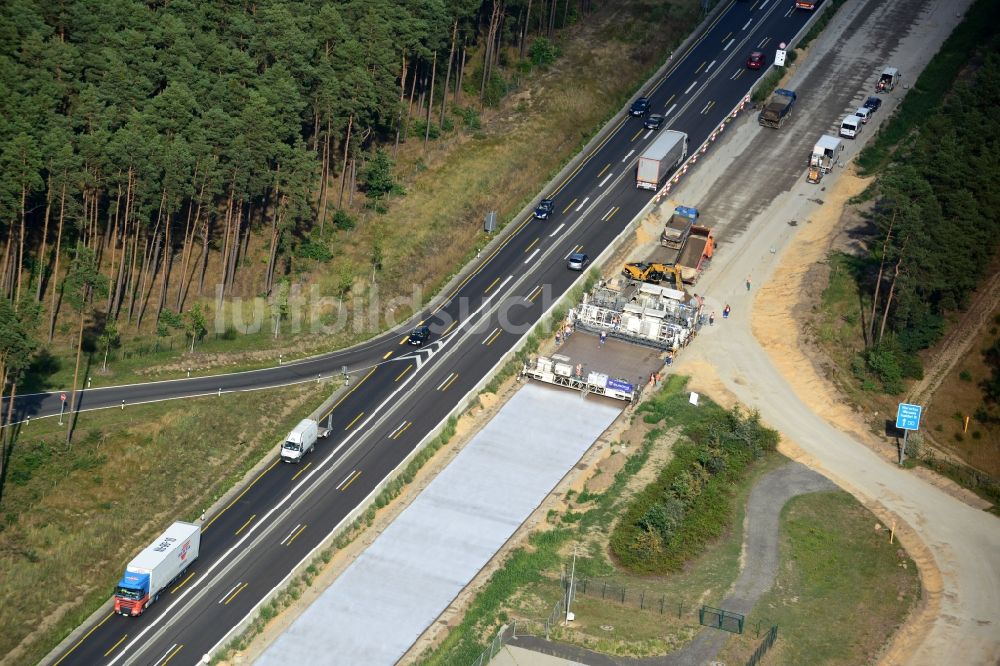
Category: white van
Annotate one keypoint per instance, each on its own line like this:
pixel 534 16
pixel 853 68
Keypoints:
pixel 864 113
pixel 300 441
pixel 850 128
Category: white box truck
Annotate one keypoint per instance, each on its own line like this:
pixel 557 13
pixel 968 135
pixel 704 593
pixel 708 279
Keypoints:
pixel 300 441
pixel 661 158
pixel 156 567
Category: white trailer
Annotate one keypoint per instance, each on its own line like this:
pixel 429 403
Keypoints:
pixel 156 567
pixel 826 153
pixel 661 158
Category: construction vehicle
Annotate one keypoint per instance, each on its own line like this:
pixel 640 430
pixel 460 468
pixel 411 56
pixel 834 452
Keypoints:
pixel 678 227
pixel 814 175
pixel 778 107
pixel 696 254
pixel 655 273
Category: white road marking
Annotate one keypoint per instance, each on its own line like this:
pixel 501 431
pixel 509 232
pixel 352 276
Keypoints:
pixel 670 110
pixel 691 87
pixel 557 230
pixel 528 260
pixel 344 481
pixel 731 42
pixel 745 26
pixel 585 200
pixel 231 590
pixel 606 178
pixel 710 65
pixel 624 159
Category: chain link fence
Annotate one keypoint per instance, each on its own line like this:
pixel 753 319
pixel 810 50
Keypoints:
pixel 636 597
pixel 507 633
pixel 765 645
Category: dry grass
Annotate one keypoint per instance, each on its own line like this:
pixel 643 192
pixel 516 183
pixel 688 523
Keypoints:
pixel 73 517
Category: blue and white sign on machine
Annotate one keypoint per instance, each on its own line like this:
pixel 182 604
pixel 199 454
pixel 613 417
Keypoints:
pixel 908 416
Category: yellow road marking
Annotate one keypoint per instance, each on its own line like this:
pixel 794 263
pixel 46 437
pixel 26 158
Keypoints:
pixel 344 397
pixel 116 645
pixel 528 249
pixel 360 414
pixel 400 375
pixel 728 35
pixel 85 637
pixel 289 542
pixel 237 498
pixel 402 430
pixel 492 284
pixel 353 479
pixel 449 382
pixel 403 341
pixel 634 137
pixel 606 167
pixel 667 105
pixel 232 596
pixel 569 206
pixel 700 67
pixel 535 294
pixel 612 213
pixel 173 654
pixel 190 576
pixel 493 337
pixel 387 355
pixel 451 326
pixel 298 473
pixel 710 105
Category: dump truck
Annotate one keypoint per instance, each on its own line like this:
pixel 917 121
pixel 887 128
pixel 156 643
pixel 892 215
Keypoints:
pixel 677 228
pixel 696 254
pixel 826 153
pixel 778 107
pixel 660 159
pixel 155 568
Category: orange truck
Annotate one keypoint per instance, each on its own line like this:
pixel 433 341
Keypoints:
pixel 696 254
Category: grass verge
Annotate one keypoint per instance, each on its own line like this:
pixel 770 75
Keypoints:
pixel 528 584
pixel 72 516
pixel 842 589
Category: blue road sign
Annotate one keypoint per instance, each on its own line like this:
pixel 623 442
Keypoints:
pixel 908 416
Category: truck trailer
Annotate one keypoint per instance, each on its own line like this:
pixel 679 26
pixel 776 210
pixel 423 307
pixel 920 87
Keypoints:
pixel 155 568
pixel 826 153
pixel 778 107
pixel 696 254
pixel 660 159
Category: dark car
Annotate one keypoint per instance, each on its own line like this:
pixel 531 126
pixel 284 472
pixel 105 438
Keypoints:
pixel 544 210
pixel 640 107
pixel 653 122
pixel 756 60
pixel 577 261
pixel 419 336
pixel 873 103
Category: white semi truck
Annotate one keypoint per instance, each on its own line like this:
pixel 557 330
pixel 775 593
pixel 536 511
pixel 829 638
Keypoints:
pixel 156 567
pixel 661 158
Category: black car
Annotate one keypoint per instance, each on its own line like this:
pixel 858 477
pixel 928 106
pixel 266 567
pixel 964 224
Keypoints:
pixel 873 103
pixel 419 336
pixel 653 122
pixel 544 210
pixel 640 107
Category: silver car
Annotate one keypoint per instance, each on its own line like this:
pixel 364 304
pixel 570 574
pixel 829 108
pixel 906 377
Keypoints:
pixel 577 261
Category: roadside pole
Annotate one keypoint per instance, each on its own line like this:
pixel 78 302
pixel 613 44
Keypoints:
pixel 907 419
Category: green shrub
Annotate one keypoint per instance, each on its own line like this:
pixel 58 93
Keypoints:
pixel 310 249
pixel 542 52
pixel 343 221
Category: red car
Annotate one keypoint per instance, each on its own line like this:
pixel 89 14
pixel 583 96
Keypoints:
pixel 756 60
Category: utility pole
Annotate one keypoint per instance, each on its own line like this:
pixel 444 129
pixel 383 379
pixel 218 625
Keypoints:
pixel 572 582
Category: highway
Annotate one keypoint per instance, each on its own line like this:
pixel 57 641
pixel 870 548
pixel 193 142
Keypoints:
pixel 401 393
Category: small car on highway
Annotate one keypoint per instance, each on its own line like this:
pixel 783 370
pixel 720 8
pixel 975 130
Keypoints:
pixel 577 261
pixel 419 336
pixel 653 122
pixel 874 103
pixel 640 107
pixel 544 209
pixel 756 60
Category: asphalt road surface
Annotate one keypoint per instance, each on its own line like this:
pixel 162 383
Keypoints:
pixel 400 393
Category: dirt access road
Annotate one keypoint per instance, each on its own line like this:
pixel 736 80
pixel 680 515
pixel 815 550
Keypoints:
pixel 755 357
